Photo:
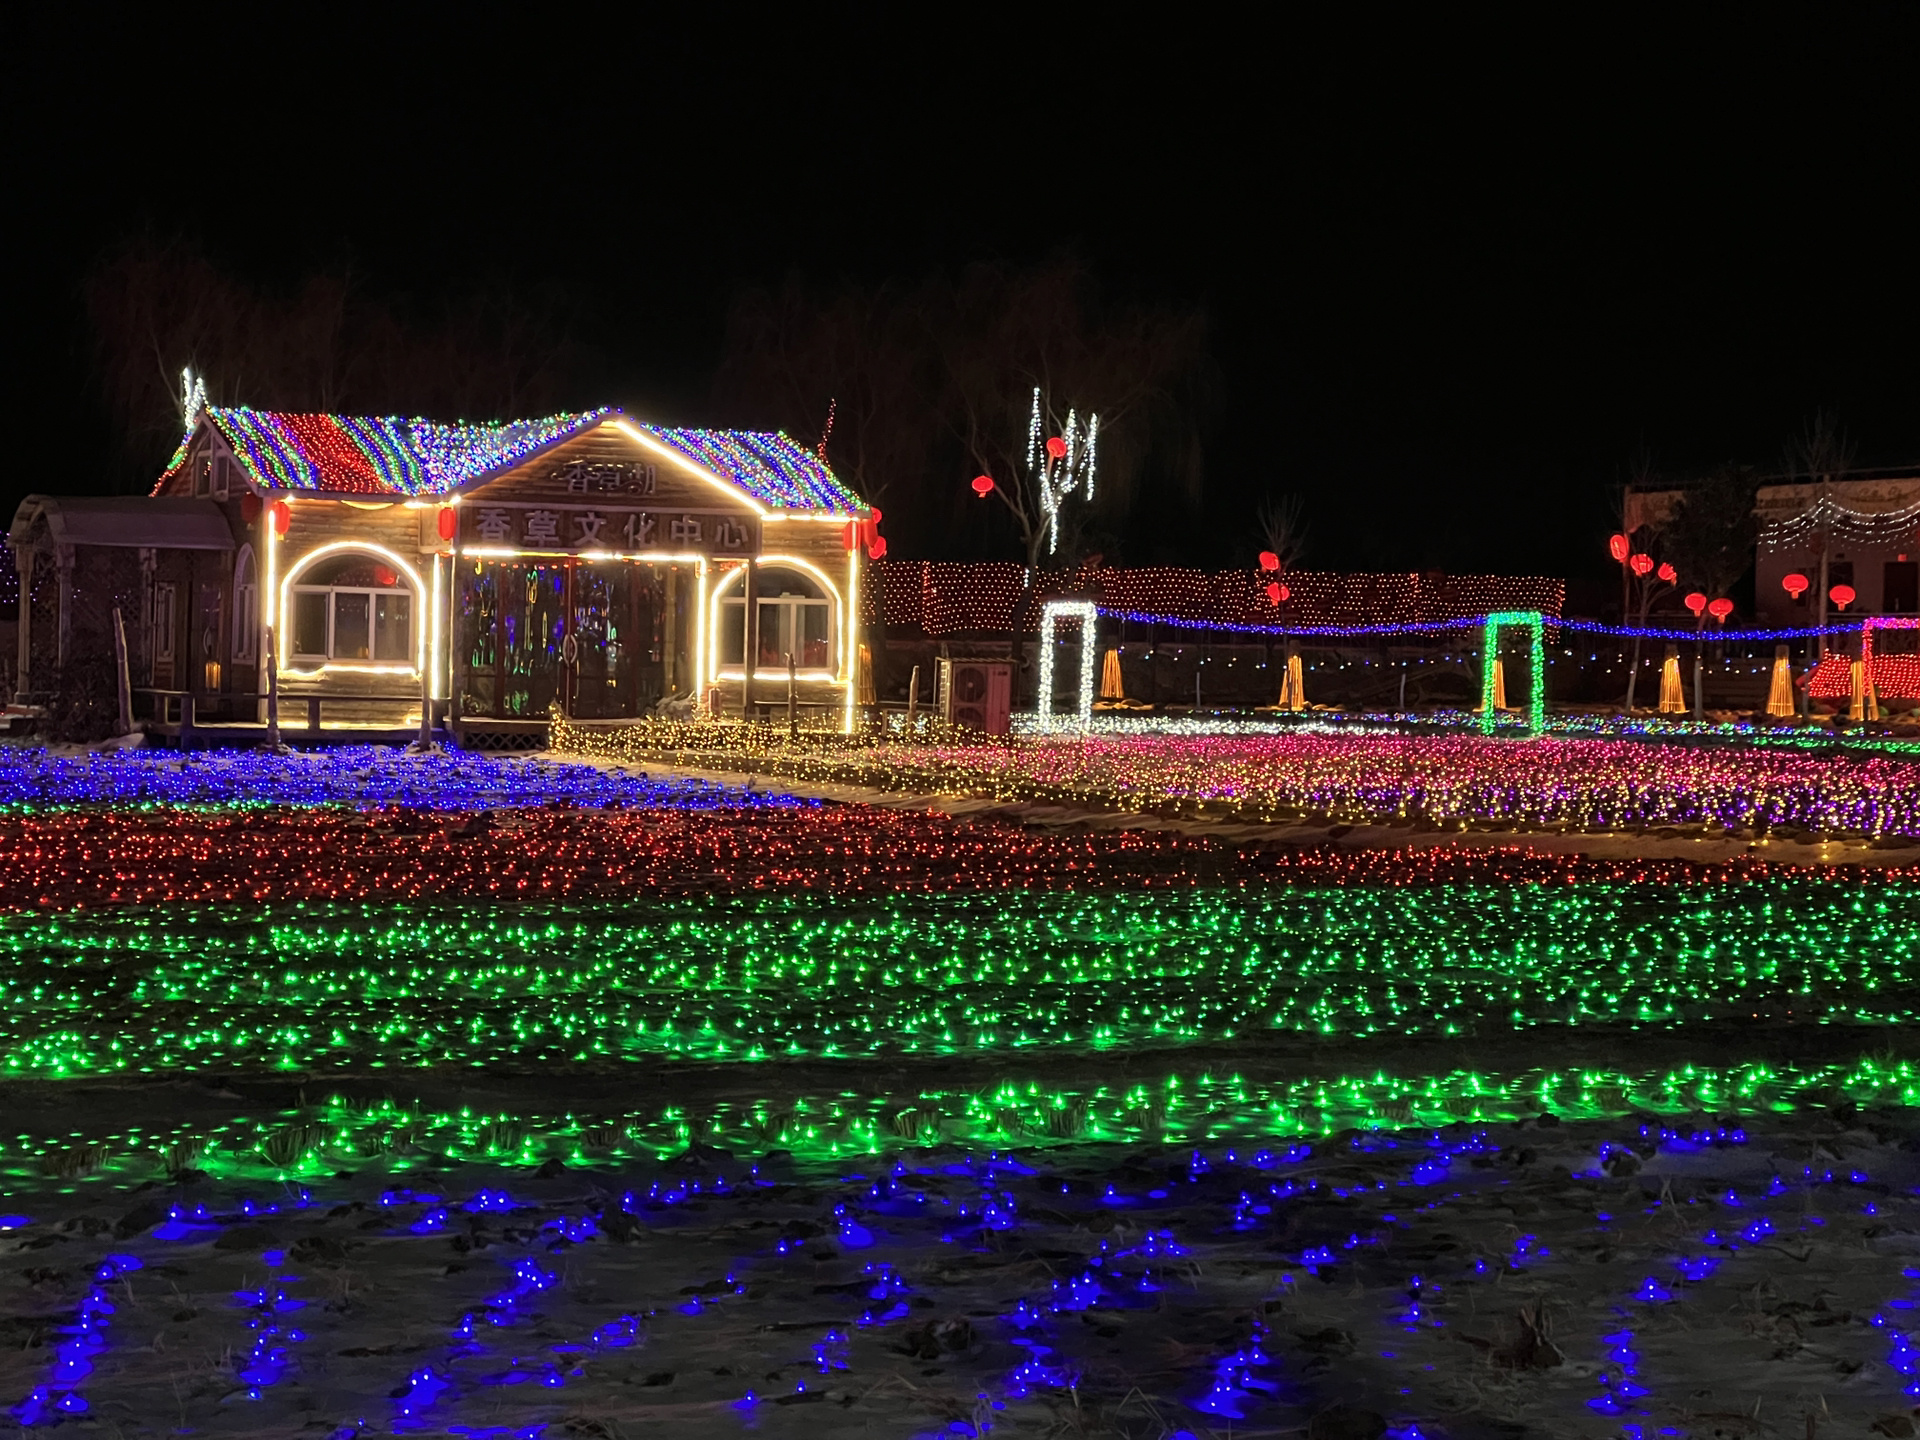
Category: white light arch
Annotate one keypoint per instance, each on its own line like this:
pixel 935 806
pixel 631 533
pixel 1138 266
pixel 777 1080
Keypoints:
pixel 353 547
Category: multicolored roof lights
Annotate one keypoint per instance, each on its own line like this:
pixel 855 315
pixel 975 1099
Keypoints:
pixel 390 456
pixel 773 469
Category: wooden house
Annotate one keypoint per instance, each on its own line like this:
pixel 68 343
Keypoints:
pixel 589 562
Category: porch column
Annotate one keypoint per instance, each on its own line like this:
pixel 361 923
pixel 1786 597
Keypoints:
pixel 23 665
pixel 752 637
pixel 63 564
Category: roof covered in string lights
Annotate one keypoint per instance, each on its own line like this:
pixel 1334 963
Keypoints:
pixel 386 455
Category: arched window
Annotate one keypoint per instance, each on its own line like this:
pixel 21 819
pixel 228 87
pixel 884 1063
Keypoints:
pixel 796 618
pixel 246 608
pixel 352 607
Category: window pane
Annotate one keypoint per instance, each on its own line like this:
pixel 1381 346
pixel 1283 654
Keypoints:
pixel 733 632
pixel 351 610
pixel 773 642
pixel 393 626
pixel 815 644
pixel 309 623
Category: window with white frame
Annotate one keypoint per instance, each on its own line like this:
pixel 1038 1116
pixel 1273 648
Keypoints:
pixel 796 618
pixel 246 608
pixel 352 607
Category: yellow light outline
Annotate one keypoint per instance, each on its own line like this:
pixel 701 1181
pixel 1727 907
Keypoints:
pixel 419 590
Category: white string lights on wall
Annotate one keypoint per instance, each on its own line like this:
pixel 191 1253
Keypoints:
pixel 1841 525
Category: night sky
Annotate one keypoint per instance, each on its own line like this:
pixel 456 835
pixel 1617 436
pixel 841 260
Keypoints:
pixel 1456 275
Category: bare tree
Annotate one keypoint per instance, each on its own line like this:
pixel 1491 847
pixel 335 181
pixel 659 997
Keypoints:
pixel 1002 335
pixel 866 353
pixel 160 307
pixel 1282 522
pixel 1820 453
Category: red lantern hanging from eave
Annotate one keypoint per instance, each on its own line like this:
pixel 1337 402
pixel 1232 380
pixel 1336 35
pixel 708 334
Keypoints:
pixel 1641 564
pixel 1696 602
pixel 1618 547
pixel 448 522
pixel 1269 560
pixel 250 507
pixel 1795 584
pixel 1842 595
pixel 850 536
pixel 1668 574
pixel 1720 609
pixel 282 517
pixel 983 485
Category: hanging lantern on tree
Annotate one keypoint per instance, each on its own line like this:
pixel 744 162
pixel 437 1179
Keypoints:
pixel 282 517
pixel 1668 574
pixel 1618 547
pixel 1720 609
pixel 1841 595
pixel 1795 584
pixel 1276 593
pixel 1641 563
pixel 1057 448
pixel 1696 602
pixel 878 548
pixel 448 522
pixel 983 485
pixel 1269 560
pixel 250 507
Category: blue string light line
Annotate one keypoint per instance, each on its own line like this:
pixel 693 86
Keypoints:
pixel 1477 622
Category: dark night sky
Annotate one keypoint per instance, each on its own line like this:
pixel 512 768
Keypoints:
pixel 1456 273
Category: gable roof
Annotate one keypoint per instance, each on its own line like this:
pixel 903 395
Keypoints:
pixel 390 456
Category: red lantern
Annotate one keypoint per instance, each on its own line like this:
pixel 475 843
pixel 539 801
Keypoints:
pixel 873 515
pixel 878 548
pixel 249 507
pixel 1269 560
pixel 1276 592
pixel 1696 602
pixel 1641 564
pixel 282 517
pixel 383 576
pixel 850 536
pixel 449 522
pixel 1668 574
pixel 1720 609
pixel 1841 595
pixel 1618 547
pixel 1795 584
pixel 1057 448
pixel 983 485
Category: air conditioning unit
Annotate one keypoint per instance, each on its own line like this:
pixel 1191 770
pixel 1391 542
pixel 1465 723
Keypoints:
pixel 978 693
